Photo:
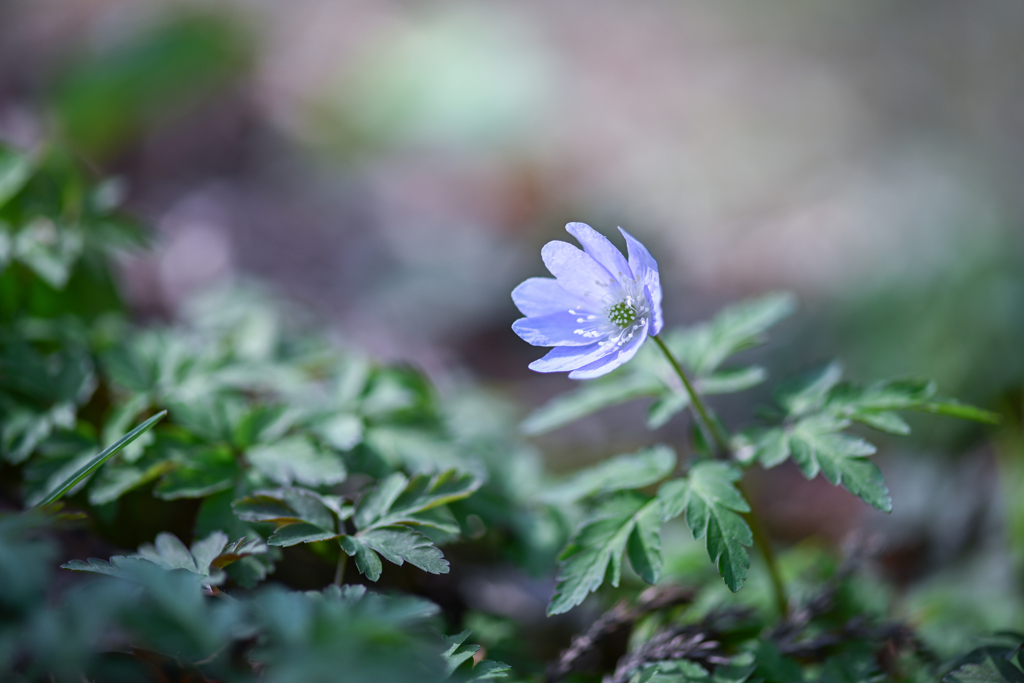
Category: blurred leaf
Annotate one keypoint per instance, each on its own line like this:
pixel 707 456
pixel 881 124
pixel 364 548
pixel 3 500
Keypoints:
pixel 593 396
pixel 998 662
pixel 204 471
pixel 205 558
pixel 711 503
pixel 808 392
pixel 49 250
pixel 595 550
pixel 457 653
pixel 296 460
pixel 15 169
pixel 615 474
pixel 734 329
pixel 343 432
pixel 154 76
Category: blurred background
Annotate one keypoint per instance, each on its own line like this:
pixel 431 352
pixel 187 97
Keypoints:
pixel 394 167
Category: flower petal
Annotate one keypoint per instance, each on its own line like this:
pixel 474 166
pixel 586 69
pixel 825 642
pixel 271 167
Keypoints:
pixel 560 329
pixel 578 273
pixel 618 356
pixel 657 319
pixel 602 250
pixel 565 358
pixel 645 269
pixel 543 295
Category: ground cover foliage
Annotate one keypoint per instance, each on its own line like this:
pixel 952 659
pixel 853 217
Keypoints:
pixel 287 497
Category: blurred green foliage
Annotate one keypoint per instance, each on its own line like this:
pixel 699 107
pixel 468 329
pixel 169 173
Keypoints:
pixel 277 442
pixel 107 99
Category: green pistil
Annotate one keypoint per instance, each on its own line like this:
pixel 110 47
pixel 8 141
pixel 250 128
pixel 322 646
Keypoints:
pixel 622 314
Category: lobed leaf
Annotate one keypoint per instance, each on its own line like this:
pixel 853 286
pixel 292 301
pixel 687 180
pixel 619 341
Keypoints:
pixel 399 500
pixel 711 503
pixel 595 551
pixel 301 515
pixel 205 558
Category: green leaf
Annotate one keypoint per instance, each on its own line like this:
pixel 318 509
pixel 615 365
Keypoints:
pixel 595 550
pixel 677 671
pixel 401 544
pixel 15 170
pixel 989 669
pixel 48 250
pixel 343 432
pixel 730 381
pixel 809 392
pixel 388 510
pixel 644 546
pixel 488 670
pixel 735 329
pixel 205 471
pixel 117 478
pixel 456 653
pixel 95 464
pixel 367 561
pixel 963 411
pixel 301 532
pixel 817 445
pixel 615 474
pixel 711 504
pixel 590 398
pixel 205 558
pixel 296 460
pixel 398 500
pixel 301 516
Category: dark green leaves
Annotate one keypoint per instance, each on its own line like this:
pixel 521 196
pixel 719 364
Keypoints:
pixel 595 551
pixel 386 519
pixel 702 349
pixel 400 500
pixel 457 654
pixel 387 515
pixel 1001 661
pixel 711 503
pixel 301 516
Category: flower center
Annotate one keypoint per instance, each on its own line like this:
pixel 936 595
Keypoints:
pixel 622 314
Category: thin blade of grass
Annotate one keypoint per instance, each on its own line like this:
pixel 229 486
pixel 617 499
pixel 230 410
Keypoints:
pixel 96 462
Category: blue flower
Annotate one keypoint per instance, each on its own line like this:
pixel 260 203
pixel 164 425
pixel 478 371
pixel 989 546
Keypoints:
pixel 597 311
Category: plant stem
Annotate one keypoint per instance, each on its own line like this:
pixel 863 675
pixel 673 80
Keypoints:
pixel 765 546
pixel 722 443
pixel 339 574
pixel 712 426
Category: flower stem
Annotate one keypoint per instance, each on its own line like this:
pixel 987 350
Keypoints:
pixel 339 574
pixel 765 546
pixel 722 443
pixel 711 425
